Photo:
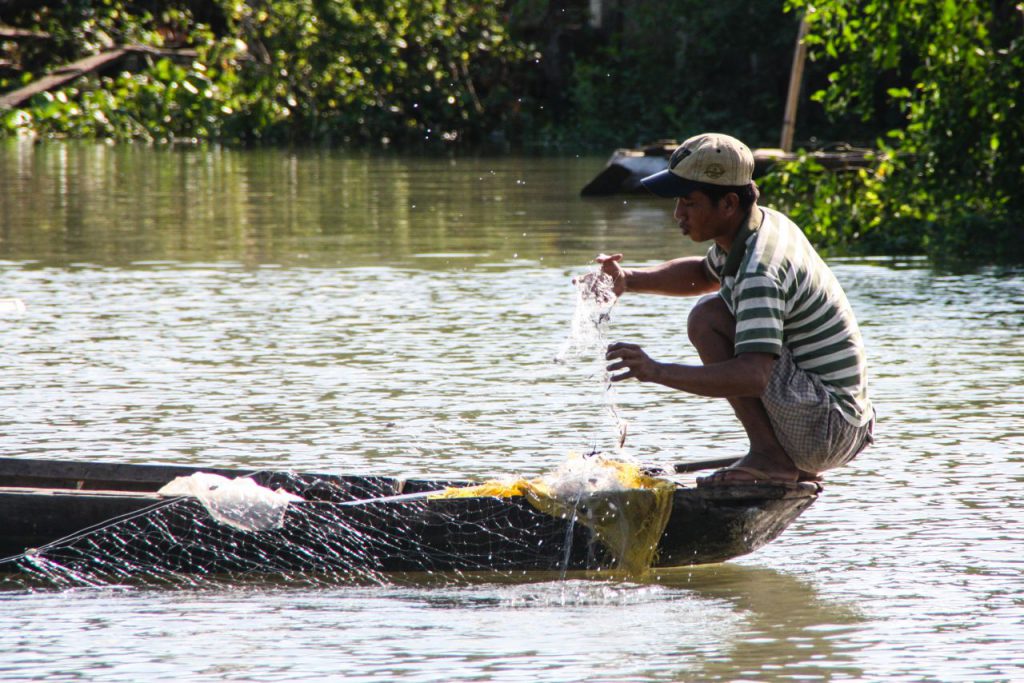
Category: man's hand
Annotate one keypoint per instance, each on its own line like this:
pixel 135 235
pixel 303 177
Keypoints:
pixel 610 266
pixel 634 359
pixel 596 287
pixel 606 285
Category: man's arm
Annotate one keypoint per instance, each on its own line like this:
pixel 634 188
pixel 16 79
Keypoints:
pixel 678 277
pixel 745 375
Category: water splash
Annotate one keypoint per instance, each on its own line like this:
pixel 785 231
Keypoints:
pixel 595 298
pixel 588 339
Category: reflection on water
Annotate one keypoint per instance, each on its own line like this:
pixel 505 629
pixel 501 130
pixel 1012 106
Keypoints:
pixel 400 316
pixel 783 625
pixel 121 205
pixel 718 623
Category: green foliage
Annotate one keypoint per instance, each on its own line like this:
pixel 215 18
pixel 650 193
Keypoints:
pixel 679 67
pixel 952 174
pixel 165 103
pixel 293 71
pixel 79 28
pixel 844 210
pixel 935 85
pixel 397 70
pixel 160 102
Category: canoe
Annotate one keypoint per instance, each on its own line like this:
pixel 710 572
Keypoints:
pixel 107 519
pixel 626 167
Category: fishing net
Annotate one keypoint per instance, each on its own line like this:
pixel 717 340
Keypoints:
pixel 592 514
pixel 625 509
pixel 584 347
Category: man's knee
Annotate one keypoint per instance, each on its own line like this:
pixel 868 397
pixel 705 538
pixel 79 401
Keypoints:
pixel 710 315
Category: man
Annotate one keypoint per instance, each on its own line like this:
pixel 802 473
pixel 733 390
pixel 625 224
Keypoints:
pixel 779 340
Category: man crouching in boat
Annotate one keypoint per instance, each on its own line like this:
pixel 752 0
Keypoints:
pixel 778 340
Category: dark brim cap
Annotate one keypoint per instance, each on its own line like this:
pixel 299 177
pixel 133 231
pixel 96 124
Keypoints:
pixel 668 184
pixel 703 160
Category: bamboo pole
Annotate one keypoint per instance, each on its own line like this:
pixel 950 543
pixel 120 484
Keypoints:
pixel 796 76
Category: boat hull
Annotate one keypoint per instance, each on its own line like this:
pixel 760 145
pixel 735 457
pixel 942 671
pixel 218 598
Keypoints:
pixel 125 527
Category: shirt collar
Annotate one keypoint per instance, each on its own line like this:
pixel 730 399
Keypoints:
pixel 739 243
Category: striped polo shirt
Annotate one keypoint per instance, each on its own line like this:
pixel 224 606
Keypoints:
pixel 782 294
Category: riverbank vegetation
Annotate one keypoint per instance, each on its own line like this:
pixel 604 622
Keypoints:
pixel 934 87
pixel 943 84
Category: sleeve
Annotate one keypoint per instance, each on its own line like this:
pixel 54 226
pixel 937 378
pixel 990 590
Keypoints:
pixel 760 313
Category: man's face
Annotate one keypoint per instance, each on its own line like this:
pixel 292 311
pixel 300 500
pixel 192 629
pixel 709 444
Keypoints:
pixel 699 218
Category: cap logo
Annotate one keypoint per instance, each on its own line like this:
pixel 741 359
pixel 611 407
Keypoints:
pixel 714 171
pixel 678 156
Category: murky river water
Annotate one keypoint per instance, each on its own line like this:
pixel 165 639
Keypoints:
pixel 399 315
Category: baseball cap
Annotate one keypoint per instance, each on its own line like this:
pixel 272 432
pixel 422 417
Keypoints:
pixel 706 159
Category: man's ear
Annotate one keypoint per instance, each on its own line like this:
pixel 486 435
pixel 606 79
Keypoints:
pixel 730 201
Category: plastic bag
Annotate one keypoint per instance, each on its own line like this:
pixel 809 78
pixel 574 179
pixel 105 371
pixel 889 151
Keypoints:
pixel 240 503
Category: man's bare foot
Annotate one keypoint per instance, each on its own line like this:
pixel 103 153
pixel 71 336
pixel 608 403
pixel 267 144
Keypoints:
pixel 755 469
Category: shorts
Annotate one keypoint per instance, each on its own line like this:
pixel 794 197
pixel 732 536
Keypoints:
pixel 807 420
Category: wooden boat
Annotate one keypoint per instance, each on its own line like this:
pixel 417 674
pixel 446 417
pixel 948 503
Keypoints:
pixel 108 519
pixel 626 167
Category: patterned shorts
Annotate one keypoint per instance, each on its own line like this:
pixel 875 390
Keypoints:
pixel 807 420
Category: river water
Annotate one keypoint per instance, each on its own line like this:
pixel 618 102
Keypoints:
pixel 399 315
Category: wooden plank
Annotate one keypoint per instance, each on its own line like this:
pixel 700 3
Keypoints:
pixel 92 476
pixel 684 467
pixel 99 494
pixel 11 33
pixel 29 472
pixel 63 75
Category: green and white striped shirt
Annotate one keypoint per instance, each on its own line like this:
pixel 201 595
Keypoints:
pixel 783 294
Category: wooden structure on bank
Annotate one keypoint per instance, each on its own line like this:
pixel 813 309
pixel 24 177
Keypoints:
pixel 627 167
